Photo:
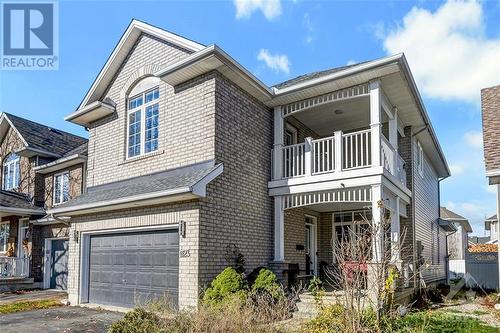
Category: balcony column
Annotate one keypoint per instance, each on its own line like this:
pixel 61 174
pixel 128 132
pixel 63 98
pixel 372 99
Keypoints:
pixel 279 229
pixel 393 129
pixel 337 152
pixel 395 234
pixel 375 124
pixel 278 143
pixel 378 233
pixel 308 156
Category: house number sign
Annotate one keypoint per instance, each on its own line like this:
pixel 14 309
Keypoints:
pixel 185 253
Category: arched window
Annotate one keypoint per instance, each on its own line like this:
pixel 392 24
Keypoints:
pixel 11 172
pixel 143 117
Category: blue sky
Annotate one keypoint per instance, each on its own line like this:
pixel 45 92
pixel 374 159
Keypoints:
pixel 453 49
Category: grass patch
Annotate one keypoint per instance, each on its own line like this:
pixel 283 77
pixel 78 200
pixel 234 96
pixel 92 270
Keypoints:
pixel 479 312
pixel 435 322
pixel 452 310
pixel 29 305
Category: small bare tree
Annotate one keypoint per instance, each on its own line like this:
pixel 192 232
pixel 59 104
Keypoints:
pixel 364 281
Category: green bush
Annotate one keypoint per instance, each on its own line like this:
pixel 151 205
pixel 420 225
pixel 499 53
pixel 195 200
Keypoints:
pixel 228 283
pixel 267 282
pixel 137 321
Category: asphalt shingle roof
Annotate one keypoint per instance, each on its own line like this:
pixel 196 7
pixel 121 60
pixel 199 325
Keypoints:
pixel 449 215
pixel 16 200
pixel 314 75
pixel 46 138
pixel 157 182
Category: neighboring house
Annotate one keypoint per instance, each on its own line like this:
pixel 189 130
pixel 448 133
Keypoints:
pixel 491 225
pixel 41 168
pixel 490 108
pixel 478 240
pixel 458 242
pixel 191 155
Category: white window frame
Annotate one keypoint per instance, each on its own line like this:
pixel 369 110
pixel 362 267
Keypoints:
pixel 4 250
pixel 56 200
pixel 293 131
pixel 420 159
pixel 9 165
pixel 142 110
pixel 342 223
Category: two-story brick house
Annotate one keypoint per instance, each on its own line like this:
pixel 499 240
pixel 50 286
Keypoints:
pixel 41 168
pixel 191 155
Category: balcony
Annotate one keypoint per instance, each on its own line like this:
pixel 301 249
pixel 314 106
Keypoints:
pixel 338 153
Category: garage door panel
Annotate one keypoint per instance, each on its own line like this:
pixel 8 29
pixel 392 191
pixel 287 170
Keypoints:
pixel 127 269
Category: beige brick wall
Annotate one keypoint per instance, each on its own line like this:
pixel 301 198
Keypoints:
pixel 186 119
pixel 490 105
pixel 75 184
pixel 238 209
pixel 152 216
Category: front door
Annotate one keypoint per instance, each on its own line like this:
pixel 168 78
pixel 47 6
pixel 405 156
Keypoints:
pixel 311 246
pixel 59 264
pixel 22 265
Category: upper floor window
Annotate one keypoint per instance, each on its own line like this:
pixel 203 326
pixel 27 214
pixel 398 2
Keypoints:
pixel 420 159
pixel 61 188
pixel 143 119
pixel 11 172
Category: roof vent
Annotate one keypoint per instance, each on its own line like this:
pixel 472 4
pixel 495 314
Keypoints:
pixel 54 130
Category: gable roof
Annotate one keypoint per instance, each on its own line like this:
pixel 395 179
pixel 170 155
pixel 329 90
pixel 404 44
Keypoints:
pixel 492 218
pixel 42 138
pixel 121 51
pixel 448 215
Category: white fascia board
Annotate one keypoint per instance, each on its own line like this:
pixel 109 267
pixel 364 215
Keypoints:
pixel 6 117
pixel 225 59
pixel 326 185
pixel 421 106
pixel 30 151
pixel 129 37
pixel 104 108
pixel 200 187
pixel 21 211
pixel 493 173
pixel 337 75
pixel 61 163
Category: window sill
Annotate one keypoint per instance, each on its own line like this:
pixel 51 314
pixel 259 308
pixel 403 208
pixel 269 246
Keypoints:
pixel 142 157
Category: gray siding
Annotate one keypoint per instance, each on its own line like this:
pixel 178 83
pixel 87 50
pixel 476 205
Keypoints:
pixel 427 231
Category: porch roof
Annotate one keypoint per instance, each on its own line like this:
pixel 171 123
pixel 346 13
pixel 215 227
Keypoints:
pixel 12 203
pixel 172 185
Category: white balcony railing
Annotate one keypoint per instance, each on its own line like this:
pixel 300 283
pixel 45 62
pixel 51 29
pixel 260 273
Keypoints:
pixel 14 267
pixel 340 152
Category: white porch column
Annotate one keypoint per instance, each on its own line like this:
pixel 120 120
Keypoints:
pixel 279 229
pixel 393 129
pixel 395 234
pixel 308 156
pixel 375 124
pixel 337 152
pixel 378 237
pixel 278 143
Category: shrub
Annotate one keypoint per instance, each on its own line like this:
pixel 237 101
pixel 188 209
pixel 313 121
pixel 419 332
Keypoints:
pixel 331 319
pixel 228 283
pixel 137 321
pixel 267 282
pixel 316 289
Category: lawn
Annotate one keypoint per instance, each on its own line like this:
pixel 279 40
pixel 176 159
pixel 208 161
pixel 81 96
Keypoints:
pixel 29 305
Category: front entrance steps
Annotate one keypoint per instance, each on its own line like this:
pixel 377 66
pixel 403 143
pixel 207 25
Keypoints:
pixel 17 283
pixel 307 307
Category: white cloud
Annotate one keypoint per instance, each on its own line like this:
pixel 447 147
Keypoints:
pixel 270 8
pixel 309 28
pixel 474 139
pixel 448 52
pixel 277 62
pixel 456 169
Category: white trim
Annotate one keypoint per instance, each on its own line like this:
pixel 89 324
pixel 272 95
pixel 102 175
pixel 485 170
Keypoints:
pixel 5 116
pixel 293 130
pixel 61 163
pixel 104 109
pixel 420 159
pixel 314 241
pixel 127 40
pixel 11 164
pixel 493 173
pixel 47 260
pixel 83 289
pixel 56 201
pixel 142 110
pixel 21 211
pixel 19 232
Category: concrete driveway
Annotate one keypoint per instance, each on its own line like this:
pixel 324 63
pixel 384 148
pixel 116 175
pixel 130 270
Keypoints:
pixel 66 319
